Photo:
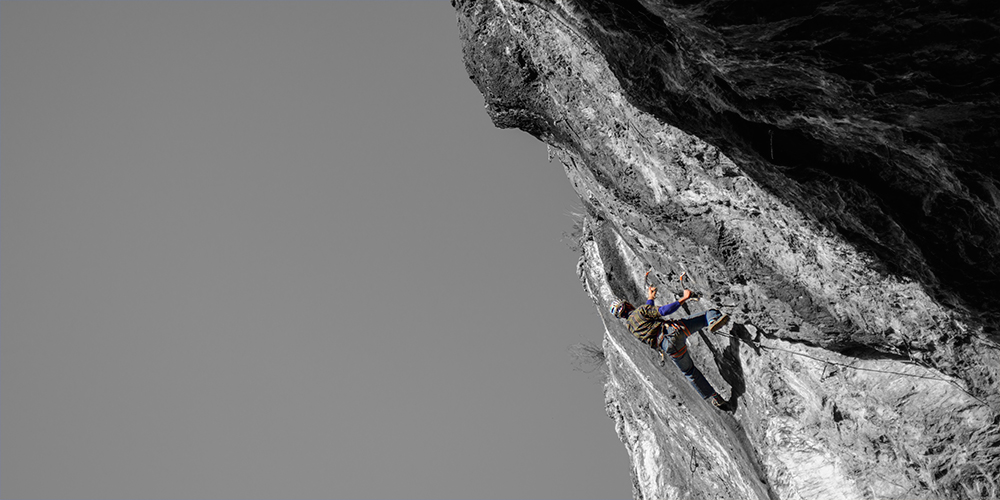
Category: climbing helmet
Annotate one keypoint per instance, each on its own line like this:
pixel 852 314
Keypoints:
pixel 617 307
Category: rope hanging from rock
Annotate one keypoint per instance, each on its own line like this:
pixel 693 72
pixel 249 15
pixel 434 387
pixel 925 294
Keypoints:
pixel 845 365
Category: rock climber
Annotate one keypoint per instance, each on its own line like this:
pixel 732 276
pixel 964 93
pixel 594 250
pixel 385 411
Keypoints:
pixel 670 336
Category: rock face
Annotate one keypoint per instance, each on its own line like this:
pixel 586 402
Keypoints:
pixel 826 173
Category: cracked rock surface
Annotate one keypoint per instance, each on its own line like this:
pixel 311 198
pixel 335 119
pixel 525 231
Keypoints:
pixel 825 173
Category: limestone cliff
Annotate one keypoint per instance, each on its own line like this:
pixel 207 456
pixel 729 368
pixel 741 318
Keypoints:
pixel 826 172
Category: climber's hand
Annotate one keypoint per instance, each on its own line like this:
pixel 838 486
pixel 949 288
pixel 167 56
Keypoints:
pixel 651 293
pixel 685 297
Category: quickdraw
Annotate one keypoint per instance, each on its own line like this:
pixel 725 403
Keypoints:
pixel 645 280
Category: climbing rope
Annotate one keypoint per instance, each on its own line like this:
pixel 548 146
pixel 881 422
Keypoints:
pixel 860 368
pixel 835 363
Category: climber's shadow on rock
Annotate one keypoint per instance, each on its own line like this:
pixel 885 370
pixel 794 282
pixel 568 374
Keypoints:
pixel 729 363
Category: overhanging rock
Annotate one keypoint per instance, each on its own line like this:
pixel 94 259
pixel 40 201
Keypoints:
pixel 843 208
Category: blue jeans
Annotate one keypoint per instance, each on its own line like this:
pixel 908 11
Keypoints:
pixel 676 341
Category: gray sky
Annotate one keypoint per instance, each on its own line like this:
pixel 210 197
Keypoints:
pixel 278 250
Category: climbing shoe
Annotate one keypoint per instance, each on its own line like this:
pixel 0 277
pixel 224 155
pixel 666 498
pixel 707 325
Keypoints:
pixel 718 323
pixel 720 403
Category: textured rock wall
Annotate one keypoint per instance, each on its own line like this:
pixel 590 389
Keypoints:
pixel 825 174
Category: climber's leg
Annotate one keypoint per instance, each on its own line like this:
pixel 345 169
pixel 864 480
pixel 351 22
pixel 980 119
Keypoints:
pixel 686 365
pixel 711 318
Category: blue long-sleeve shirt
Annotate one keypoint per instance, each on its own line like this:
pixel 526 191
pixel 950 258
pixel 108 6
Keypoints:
pixel 666 309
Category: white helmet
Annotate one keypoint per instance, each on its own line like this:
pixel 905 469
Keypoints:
pixel 617 307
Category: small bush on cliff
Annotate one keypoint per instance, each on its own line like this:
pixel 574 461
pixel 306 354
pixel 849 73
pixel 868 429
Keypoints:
pixel 588 357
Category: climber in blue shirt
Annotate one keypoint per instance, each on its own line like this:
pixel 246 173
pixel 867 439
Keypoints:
pixel 670 336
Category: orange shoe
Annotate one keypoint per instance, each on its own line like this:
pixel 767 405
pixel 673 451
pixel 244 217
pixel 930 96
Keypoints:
pixel 719 403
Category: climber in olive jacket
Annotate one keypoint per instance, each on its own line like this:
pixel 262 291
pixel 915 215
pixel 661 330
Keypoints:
pixel 670 336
